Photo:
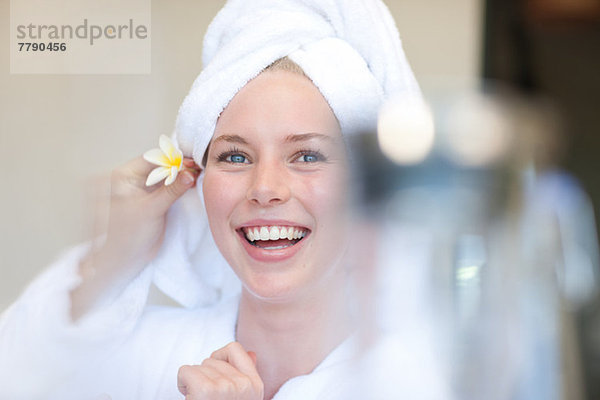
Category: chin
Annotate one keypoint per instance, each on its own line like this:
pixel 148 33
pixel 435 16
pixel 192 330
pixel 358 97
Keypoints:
pixel 273 287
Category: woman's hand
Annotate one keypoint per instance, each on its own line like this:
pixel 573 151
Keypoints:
pixel 136 225
pixel 138 213
pixel 230 373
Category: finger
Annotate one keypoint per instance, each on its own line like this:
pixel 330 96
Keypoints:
pixel 190 378
pixel 139 167
pixel 225 375
pixel 190 163
pixel 237 356
pixel 132 173
pixel 218 369
pixel 166 195
pixel 183 376
pixel 191 166
pixel 252 356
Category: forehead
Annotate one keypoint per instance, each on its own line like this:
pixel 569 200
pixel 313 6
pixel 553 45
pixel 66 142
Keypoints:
pixel 277 104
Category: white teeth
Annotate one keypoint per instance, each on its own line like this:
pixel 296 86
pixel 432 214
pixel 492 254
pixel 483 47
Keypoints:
pixel 274 233
pixel 264 233
pixel 277 247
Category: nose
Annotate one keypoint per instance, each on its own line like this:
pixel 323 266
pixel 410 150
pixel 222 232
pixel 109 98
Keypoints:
pixel 269 185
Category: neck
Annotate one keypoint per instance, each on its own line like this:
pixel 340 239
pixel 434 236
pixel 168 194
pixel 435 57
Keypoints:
pixel 290 338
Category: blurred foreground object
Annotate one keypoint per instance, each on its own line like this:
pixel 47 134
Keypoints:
pixel 482 249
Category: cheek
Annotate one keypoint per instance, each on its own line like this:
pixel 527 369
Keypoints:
pixel 327 197
pixel 219 198
pixel 327 201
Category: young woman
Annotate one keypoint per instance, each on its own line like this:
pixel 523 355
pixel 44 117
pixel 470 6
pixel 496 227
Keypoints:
pixel 276 162
pixel 263 128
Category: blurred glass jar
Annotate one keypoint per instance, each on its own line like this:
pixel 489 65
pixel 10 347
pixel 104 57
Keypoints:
pixel 477 248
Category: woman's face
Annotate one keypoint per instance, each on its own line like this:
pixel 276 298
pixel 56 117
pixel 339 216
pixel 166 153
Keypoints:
pixel 275 187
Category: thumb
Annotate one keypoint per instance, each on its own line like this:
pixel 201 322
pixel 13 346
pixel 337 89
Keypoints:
pixel 168 194
pixel 252 356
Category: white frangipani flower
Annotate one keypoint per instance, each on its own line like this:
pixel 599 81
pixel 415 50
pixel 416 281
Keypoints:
pixel 169 160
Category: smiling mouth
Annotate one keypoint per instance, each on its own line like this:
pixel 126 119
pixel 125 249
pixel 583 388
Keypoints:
pixel 274 237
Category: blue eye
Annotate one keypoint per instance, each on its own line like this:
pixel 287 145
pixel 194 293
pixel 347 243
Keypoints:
pixel 309 158
pixel 237 158
pixel 233 156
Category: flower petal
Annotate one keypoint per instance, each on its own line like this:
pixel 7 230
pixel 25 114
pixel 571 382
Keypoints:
pixel 157 175
pixel 178 159
pixel 167 146
pixel 157 157
pixel 172 176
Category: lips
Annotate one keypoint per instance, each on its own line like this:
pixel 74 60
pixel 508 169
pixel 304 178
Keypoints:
pixel 269 243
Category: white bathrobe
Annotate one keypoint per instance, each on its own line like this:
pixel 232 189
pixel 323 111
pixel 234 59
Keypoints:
pixel 127 349
pixel 123 350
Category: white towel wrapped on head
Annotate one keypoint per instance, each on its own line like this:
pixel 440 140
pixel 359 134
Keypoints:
pixel 351 51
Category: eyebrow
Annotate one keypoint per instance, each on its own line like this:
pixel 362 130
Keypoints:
pixel 231 139
pixel 293 138
pixel 301 137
